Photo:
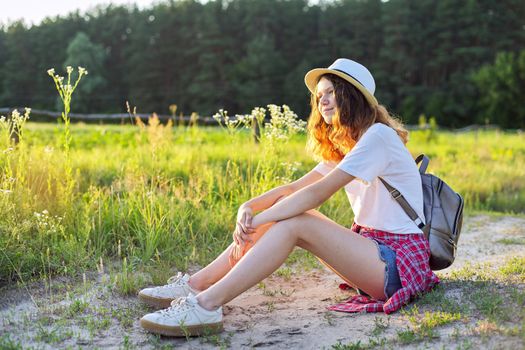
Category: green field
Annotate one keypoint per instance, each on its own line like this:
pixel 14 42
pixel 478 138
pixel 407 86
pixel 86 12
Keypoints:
pixel 160 195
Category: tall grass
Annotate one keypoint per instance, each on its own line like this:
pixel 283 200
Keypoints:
pixel 167 193
pixel 162 192
pixel 486 167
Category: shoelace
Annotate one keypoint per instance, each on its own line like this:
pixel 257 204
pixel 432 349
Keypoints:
pixel 178 306
pixel 174 281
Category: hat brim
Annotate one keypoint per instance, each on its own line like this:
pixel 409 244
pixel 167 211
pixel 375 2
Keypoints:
pixel 312 77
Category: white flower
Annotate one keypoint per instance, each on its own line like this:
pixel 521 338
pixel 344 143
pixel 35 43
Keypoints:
pixel 51 71
pixel 69 69
pixel 82 70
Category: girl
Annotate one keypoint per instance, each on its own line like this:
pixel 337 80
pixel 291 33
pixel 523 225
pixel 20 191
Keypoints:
pixel 385 255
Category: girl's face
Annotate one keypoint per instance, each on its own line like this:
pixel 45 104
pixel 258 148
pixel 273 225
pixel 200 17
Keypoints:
pixel 326 99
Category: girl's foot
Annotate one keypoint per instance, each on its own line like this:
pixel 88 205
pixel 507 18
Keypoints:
pixel 185 317
pixel 161 297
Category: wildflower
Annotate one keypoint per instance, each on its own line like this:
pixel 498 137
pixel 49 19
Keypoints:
pixel 259 114
pixel 51 72
pixel 69 69
pixel 15 114
pixel 217 117
pixel 239 117
pixel 82 71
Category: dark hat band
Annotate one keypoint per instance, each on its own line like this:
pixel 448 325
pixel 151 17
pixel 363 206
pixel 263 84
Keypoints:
pixel 345 73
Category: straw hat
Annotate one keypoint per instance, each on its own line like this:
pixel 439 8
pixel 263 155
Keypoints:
pixel 351 71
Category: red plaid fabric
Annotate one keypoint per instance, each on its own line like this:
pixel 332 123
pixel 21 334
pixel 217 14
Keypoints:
pixel 413 253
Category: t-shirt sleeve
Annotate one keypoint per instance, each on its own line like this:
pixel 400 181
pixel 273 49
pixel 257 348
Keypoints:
pixel 368 159
pixel 324 168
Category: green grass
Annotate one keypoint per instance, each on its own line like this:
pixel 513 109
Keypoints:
pixel 52 336
pixel 76 307
pixel 352 346
pixel 168 196
pixel 285 272
pixel 6 343
pixel 510 241
pixel 514 267
pixel 128 281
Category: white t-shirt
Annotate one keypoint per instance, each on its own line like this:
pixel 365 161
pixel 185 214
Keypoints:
pixel 380 152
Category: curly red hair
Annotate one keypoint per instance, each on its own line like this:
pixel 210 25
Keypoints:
pixel 354 115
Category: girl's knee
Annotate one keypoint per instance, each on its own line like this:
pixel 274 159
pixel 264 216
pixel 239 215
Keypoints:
pixel 290 227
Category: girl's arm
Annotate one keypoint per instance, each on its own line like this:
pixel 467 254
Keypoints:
pixel 309 197
pixel 271 197
pixel 245 213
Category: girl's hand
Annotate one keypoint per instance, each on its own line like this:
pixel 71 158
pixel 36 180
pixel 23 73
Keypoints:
pixel 243 227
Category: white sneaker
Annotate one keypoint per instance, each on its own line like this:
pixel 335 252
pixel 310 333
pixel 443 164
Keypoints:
pixel 161 297
pixel 185 317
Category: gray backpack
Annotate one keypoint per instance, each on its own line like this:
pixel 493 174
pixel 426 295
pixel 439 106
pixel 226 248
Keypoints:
pixel 443 209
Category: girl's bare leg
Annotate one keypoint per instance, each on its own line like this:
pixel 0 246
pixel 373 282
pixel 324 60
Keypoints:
pixel 354 257
pixel 321 215
pixel 213 272
pixel 219 267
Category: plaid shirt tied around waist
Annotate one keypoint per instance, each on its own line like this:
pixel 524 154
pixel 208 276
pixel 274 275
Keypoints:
pixel 412 256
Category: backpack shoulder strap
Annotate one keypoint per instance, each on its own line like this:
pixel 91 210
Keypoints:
pixel 423 159
pixel 404 204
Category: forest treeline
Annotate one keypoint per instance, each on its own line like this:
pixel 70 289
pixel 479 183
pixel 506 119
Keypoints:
pixel 460 61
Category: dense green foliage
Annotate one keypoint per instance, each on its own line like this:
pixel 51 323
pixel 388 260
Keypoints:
pixel 237 54
pixel 159 193
pixel 504 86
pixel 82 52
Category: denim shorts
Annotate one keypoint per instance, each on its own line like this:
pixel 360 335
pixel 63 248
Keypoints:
pixel 392 281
